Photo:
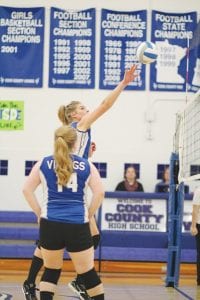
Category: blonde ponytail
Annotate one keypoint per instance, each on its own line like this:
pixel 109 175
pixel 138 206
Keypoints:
pixel 65 138
pixel 64 112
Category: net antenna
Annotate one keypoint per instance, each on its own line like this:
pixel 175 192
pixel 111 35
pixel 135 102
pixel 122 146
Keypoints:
pixel 194 43
pixel 187 70
pixel 187 139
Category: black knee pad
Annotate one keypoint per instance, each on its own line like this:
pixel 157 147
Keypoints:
pixel 51 275
pixel 90 279
pixel 37 242
pixel 96 240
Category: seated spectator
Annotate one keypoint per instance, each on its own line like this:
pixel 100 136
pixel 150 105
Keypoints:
pixel 163 185
pixel 130 183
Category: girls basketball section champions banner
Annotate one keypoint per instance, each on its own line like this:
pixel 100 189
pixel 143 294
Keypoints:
pixel 121 33
pixel 21 46
pixel 72 49
pixel 172 34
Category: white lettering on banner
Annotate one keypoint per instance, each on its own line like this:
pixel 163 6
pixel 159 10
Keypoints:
pixel 21 23
pixel 123 33
pixel 20 39
pixel 72 32
pixel 21 28
pixel 22 15
pixel 72 15
pixel 171 18
pixel 72 24
pixel 123 25
pixel 173 34
pixel 19 80
pixel 123 17
pixel 173 27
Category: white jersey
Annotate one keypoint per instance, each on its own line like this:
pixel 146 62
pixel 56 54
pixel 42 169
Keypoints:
pixel 196 201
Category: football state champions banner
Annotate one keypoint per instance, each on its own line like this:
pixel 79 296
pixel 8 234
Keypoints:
pixel 121 33
pixel 21 46
pixel 11 115
pixel 172 34
pixel 72 49
pixel 134 214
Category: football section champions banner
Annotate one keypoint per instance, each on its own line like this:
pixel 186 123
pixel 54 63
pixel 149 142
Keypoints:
pixel 21 46
pixel 174 68
pixel 72 49
pixel 121 34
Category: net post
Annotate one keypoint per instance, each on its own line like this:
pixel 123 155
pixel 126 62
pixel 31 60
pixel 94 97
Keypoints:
pixel 175 219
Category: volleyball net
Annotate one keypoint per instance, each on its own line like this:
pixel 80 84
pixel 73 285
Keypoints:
pixel 184 166
pixel 187 140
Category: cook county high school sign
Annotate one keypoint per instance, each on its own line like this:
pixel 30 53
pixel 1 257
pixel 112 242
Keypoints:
pixel 147 213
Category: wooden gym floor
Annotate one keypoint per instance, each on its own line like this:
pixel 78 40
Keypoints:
pixel 122 281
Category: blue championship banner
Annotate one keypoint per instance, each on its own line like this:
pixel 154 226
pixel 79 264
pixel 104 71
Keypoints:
pixel 21 46
pixel 72 49
pixel 121 33
pixel 172 33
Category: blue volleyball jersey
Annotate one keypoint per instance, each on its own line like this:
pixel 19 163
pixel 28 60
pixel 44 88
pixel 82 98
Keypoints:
pixel 83 141
pixel 65 204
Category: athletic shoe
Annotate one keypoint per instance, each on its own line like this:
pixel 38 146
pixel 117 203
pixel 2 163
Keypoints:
pixel 29 291
pixel 5 296
pixel 79 289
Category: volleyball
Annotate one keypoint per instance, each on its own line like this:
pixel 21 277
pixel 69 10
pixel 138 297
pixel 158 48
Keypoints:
pixel 147 52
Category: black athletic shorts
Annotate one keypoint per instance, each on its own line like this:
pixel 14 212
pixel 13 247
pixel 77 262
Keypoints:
pixel 57 235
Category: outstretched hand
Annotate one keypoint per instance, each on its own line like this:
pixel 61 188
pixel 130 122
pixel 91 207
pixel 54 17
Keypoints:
pixel 193 230
pixel 130 75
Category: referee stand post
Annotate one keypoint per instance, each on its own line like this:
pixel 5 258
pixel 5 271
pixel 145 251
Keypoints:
pixel 175 220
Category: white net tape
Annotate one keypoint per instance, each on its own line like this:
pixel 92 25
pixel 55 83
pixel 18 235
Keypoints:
pixel 187 139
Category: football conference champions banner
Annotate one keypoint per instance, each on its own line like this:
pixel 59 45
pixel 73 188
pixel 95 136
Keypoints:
pixel 21 46
pixel 172 32
pixel 72 49
pixel 121 33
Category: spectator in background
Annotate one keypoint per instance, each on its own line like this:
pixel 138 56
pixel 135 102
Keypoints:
pixel 163 185
pixel 195 228
pixel 130 183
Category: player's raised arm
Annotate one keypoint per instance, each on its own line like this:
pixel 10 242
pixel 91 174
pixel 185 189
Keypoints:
pixel 108 102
